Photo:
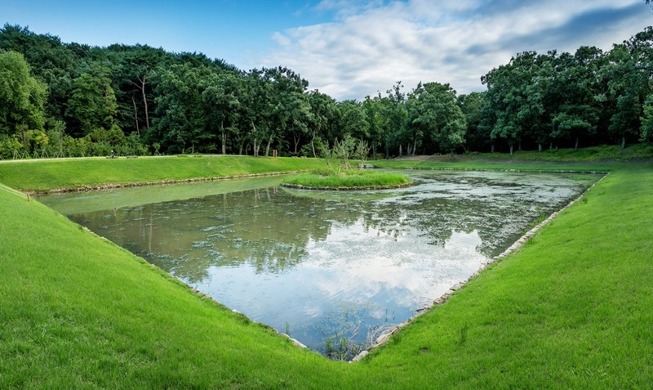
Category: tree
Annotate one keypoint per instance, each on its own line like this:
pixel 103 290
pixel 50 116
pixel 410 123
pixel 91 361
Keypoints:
pixel 299 118
pixel 434 112
pixel 180 122
pixel 394 110
pixel 477 136
pixel 351 120
pixel 626 89
pixel 647 120
pixel 343 150
pixel 575 110
pixel 93 102
pixel 221 99
pixel 256 114
pixel 323 111
pixel 133 68
pixel 51 62
pixel 515 98
pixel 289 109
pixel 22 97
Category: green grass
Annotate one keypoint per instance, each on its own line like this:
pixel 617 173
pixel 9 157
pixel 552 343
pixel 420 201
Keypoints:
pixel 80 312
pixel 46 175
pixel 571 309
pixel 598 158
pixel 480 164
pixel 349 179
pixel 591 154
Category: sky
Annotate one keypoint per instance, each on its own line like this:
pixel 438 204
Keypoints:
pixel 347 49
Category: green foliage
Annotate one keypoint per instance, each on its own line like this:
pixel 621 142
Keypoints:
pixel 21 95
pixel 93 102
pixel 10 147
pixel 49 174
pixel 186 102
pixel 338 157
pixel 571 309
pixel 647 120
pixel 434 113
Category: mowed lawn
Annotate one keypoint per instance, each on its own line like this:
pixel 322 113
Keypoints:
pixel 572 309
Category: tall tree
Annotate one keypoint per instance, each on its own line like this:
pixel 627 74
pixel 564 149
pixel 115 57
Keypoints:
pixel 477 136
pixel 512 96
pixel 433 110
pixel 180 124
pixel 222 101
pixel 394 110
pixel 323 112
pixel 93 102
pixel 576 111
pixel 290 111
pixel 22 97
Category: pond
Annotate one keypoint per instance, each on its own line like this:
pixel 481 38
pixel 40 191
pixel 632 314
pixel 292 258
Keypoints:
pixel 331 269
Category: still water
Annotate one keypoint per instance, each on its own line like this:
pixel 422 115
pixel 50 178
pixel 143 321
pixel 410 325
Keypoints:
pixel 323 266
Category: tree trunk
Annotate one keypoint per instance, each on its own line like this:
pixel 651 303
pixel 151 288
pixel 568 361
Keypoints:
pixel 518 146
pixel 415 147
pixel 623 141
pixel 267 148
pixel 539 146
pixel 255 146
pixel 224 137
pixel 511 148
pixel 296 140
pixel 147 115
pixel 551 145
pixel 400 151
pixel 313 146
pixel 576 144
pixel 138 130
pixel 141 86
pixel 492 150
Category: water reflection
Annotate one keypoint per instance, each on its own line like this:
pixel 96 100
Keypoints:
pixel 319 264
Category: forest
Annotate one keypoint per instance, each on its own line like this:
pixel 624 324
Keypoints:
pixel 69 99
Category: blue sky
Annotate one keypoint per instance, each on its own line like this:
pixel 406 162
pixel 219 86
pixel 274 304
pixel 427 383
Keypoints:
pixel 345 48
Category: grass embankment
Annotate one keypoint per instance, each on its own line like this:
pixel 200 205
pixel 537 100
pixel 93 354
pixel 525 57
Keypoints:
pixel 351 179
pixel 80 312
pixel 594 159
pixel 48 175
pixel 572 309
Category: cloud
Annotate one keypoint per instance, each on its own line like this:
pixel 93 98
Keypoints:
pixel 368 46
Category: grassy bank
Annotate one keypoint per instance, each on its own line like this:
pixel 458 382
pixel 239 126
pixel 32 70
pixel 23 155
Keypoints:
pixel 44 175
pixel 572 309
pixel 599 158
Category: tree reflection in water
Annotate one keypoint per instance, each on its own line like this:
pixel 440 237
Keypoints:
pixel 315 263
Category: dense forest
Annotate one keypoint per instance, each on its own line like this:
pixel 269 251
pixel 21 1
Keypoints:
pixel 68 99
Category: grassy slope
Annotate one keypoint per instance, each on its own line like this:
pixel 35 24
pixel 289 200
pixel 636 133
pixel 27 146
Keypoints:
pixel 71 173
pixel 78 311
pixel 572 309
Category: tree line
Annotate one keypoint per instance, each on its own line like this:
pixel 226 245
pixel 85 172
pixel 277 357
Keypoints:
pixel 68 99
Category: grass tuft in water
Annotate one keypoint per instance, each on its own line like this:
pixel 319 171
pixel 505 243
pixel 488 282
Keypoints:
pixel 349 179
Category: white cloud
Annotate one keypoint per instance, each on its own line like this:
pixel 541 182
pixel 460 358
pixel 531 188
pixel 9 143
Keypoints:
pixel 370 45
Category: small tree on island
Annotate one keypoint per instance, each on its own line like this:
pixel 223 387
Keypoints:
pixel 349 148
